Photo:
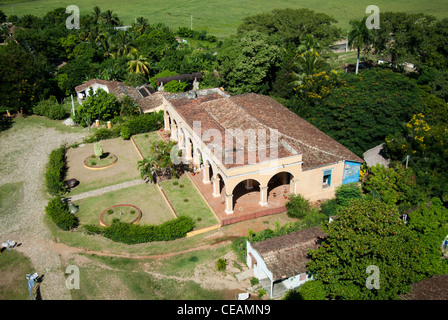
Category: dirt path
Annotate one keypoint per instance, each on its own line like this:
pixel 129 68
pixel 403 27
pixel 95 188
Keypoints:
pixel 24 154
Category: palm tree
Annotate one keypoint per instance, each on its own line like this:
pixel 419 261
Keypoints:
pixel 109 18
pixel 307 64
pixel 122 44
pixel 141 25
pixel 159 162
pixel 360 37
pixel 96 14
pixel 138 63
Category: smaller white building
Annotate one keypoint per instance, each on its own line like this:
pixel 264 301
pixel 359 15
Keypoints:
pixel 281 261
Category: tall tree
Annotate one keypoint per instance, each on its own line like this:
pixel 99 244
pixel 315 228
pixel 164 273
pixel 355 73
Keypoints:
pixel 248 62
pixel 138 63
pixel 360 37
pixel 367 233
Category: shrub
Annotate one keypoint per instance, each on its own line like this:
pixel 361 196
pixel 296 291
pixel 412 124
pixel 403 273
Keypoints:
pixel 55 172
pixel 58 212
pixel 98 149
pixel 143 123
pixel 329 207
pixel 103 134
pixel 50 108
pixel 312 290
pixel 297 206
pixel 125 133
pixel 347 191
pixel 133 234
pixel 221 264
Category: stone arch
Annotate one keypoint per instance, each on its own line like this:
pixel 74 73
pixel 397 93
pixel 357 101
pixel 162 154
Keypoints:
pixel 245 192
pixel 280 184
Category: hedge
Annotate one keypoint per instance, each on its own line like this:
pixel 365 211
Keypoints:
pixel 50 108
pixel 55 171
pixel 128 127
pixel 140 124
pixel 59 213
pixel 133 234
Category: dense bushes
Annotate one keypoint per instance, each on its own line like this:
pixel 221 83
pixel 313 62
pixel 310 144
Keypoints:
pixel 132 233
pixel 143 123
pixel 297 206
pixel 50 108
pixel 55 172
pixel 58 212
pixel 127 127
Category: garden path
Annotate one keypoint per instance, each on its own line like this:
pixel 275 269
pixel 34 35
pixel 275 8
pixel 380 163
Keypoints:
pixel 100 191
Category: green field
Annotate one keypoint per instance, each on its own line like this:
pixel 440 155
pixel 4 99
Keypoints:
pixel 222 17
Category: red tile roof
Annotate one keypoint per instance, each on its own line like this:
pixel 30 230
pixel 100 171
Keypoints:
pixel 287 255
pixel 254 111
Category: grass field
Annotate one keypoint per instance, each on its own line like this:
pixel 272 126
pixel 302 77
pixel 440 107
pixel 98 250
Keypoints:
pixel 222 17
pixel 187 201
pixel 146 197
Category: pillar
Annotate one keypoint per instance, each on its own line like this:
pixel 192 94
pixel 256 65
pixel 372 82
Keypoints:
pixel 216 183
pixel 263 196
pixel 294 186
pixel 181 140
pixel 188 149
pixel 166 120
pixel 229 203
pixel 206 174
pixel 173 132
pixel 197 159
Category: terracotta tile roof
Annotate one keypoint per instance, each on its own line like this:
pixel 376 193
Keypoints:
pixel 117 88
pixel 142 95
pixel 253 112
pixel 150 102
pixel 287 255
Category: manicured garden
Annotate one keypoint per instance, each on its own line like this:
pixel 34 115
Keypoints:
pixel 187 201
pixel 145 197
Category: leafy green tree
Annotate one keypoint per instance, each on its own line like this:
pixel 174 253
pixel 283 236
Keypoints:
pixel 359 111
pixel 394 186
pixel 99 105
pixel 175 86
pixel 289 25
pixel 430 222
pixel 24 79
pixel 248 62
pixel 366 233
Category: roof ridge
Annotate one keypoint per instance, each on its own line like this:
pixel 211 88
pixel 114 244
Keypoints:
pixel 292 138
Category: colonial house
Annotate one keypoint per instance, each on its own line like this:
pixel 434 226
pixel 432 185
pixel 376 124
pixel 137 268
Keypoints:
pixel 250 141
pixel 144 95
pixel 280 262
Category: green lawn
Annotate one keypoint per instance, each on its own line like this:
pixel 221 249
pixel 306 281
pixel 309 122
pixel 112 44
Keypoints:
pixel 222 17
pixel 145 196
pixel 187 201
pixel 144 140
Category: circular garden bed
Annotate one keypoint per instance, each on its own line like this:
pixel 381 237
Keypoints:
pixel 102 162
pixel 126 213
